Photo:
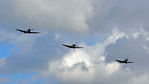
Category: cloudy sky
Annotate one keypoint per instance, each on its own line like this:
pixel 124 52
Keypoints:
pixel 107 29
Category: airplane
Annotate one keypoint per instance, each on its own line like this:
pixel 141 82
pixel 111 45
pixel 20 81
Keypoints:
pixel 124 61
pixel 27 31
pixel 74 46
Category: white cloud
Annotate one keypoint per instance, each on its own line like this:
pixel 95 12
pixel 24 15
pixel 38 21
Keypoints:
pixel 84 65
pixel 146 48
pixel 143 33
pixel 112 67
pixel 76 63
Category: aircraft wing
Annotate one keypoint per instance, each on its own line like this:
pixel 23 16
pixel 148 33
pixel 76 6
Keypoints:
pixel 130 62
pixel 79 47
pixel 34 32
pixel 119 61
pixel 20 30
pixel 66 45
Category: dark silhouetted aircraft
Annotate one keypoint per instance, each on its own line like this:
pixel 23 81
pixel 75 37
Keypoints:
pixel 27 31
pixel 124 61
pixel 72 46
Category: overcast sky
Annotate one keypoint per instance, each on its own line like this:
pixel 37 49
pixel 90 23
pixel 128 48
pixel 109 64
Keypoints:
pixel 107 29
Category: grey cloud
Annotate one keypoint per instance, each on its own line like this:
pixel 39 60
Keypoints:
pixel 77 15
pixel 140 79
pixel 127 15
pixel 49 14
pixel 90 65
pixel 42 53
pixel 81 66
pixel 131 48
pixel 33 54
